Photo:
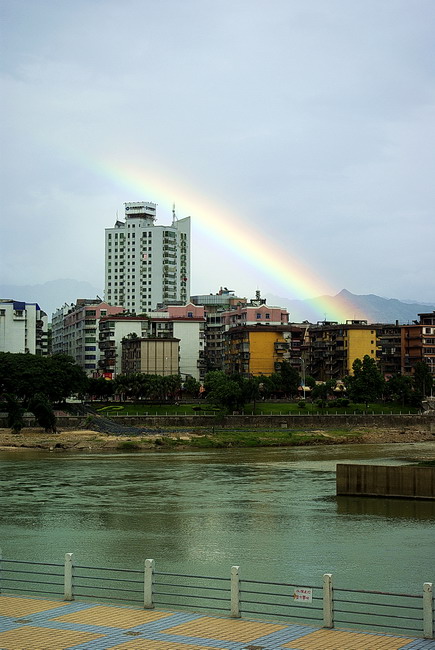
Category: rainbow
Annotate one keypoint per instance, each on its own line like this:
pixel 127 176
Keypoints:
pixel 234 234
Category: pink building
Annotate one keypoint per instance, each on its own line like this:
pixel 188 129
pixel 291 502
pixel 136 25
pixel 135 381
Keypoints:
pixel 80 331
pixel 251 315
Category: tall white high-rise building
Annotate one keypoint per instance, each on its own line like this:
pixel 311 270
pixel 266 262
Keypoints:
pixel 147 264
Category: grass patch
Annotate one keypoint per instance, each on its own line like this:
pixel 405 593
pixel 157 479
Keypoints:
pixel 128 445
pixel 225 439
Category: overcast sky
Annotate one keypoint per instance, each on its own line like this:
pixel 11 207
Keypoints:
pixel 309 123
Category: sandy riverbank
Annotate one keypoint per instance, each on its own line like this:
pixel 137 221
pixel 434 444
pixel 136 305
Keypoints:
pixel 87 440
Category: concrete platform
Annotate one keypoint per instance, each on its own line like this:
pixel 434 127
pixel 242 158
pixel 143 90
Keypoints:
pixel 40 624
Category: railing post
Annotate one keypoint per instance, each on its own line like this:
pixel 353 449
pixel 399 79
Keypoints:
pixel 148 584
pixel 427 611
pixel 328 601
pixel 235 592
pixel 68 577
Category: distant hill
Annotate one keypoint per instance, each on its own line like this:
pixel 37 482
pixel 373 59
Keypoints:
pixel 50 295
pixel 372 308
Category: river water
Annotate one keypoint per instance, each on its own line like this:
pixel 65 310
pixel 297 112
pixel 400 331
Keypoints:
pixel 272 511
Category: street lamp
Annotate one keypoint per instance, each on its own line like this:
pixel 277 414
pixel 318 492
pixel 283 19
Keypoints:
pixel 303 376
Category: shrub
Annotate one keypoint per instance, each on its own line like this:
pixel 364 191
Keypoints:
pixel 341 402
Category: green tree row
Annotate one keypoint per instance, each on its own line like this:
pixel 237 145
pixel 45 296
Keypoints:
pixel 136 386
pixel 34 383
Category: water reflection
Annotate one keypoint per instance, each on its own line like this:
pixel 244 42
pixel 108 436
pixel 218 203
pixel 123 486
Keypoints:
pixel 388 508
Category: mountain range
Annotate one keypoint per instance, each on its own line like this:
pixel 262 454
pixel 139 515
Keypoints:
pixel 50 295
pixel 374 309
pixel 369 307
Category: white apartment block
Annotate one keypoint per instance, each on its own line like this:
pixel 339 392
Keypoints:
pixel 112 331
pixel 185 323
pixel 147 264
pixel 23 327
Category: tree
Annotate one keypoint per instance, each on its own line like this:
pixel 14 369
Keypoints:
pixel 223 391
pixel 324 389
pixel 43 412
pixel 422 379
pixel 367 383
pixel 399 389
pixel 191 386
pixel 15 412
pixel 291 379
pixel 283 383
pixel 99 387
pixel 56 377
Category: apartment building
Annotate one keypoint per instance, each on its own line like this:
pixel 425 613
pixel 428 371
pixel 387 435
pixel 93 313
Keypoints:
pixel 76 331
pixel 23 327
pixel 331 348
pixel 147 265
pixel 389 355
pixel 260 349
pixel 112 331
pixel 418 343
pixel 215 305
pixel 150 356
pixel 185 323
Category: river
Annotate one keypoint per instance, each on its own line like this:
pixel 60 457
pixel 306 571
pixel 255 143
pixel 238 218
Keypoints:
pixel 272 511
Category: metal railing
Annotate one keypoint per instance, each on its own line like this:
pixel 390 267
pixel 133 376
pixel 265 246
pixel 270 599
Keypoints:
pixel 323 606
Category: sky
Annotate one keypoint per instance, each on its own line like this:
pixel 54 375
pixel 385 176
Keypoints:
pixel 293 130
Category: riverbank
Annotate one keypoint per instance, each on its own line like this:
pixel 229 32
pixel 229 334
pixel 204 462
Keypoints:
pixel 203 438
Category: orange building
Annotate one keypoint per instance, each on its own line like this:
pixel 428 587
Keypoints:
pixel 418 343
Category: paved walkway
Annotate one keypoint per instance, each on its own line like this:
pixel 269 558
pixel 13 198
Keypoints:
pixel 39 624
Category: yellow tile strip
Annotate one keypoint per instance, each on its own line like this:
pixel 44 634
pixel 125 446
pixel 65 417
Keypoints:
pixel 39 638
pixel 112 617
pixel 16 606
pixel 225 629
pixel 340 640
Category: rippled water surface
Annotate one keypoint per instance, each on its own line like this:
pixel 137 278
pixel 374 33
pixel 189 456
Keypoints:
pixel 272 511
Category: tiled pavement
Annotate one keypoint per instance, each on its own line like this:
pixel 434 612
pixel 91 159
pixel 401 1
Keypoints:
pixel 37 624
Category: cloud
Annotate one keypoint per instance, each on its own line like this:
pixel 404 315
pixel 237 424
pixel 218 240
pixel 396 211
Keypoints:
pixel 314 121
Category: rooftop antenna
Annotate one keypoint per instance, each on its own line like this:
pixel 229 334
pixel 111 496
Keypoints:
pixel 174 216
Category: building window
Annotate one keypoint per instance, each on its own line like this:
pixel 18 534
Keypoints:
pixel 258 315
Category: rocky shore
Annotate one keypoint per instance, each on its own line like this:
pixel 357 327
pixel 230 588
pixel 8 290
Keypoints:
pixel 95 441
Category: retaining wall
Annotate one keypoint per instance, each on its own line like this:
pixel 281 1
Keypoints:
pixel 235 421
pixel 386 480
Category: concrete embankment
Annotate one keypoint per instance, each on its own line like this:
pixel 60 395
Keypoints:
pixel 399 421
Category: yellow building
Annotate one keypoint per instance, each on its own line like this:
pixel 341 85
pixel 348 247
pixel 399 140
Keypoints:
pixel 358 343
pixel 260 349
pixel 333 347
